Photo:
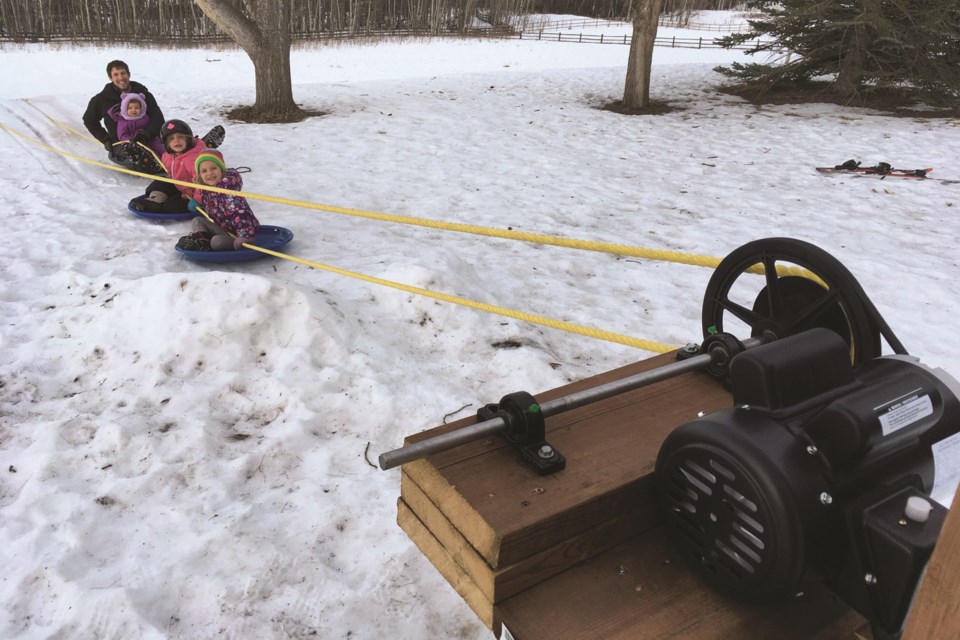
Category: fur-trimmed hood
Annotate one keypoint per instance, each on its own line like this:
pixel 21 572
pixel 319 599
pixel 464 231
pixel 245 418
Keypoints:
pixel 125 99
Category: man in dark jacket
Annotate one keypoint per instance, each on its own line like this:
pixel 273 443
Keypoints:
pixel 101 126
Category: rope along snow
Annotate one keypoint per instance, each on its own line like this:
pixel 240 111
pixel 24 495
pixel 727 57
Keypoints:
pixel 609 336
pixel 523 236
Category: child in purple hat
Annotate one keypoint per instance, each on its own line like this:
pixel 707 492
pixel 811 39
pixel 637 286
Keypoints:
pixel 133 122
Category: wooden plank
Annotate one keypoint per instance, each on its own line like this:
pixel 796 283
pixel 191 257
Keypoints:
pixel 453 574
pixel 508 513
pixel 642 589
pixel 936 611
pixel 499 584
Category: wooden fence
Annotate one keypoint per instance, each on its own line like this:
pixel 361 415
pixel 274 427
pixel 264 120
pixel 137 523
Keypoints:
pixel 664 41
pixel 306 38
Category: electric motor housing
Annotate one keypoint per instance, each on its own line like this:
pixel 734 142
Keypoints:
pixel 801 478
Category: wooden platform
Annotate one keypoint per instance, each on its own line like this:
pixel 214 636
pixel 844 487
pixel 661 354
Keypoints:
pixel 580 553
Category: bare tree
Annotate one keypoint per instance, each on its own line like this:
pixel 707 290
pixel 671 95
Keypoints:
pixel 263 32
pixel 636 92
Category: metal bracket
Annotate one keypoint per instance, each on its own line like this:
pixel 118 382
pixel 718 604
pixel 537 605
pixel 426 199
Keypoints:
pixel 525 430
pixel 721 347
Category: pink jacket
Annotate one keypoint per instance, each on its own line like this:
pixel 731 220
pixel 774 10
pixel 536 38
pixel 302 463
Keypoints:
pixel 180 166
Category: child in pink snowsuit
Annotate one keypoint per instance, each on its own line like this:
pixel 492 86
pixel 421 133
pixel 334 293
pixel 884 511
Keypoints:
pixel 181 149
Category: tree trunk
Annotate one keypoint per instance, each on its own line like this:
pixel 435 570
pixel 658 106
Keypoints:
pixel 265 37
pixel 636 92
pixel 852 64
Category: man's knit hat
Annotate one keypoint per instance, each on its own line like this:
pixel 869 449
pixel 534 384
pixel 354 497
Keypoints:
pixel 213 156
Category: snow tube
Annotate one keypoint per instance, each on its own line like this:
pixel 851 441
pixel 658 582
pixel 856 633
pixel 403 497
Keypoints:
pixel 186 215
pixel 268 237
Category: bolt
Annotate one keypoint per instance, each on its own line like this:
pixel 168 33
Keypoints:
pixel 745 407
pixel 870 578
pixel 812 450
pixel 690 348
pixel 826 498
pixel 621 570
pixel 546 452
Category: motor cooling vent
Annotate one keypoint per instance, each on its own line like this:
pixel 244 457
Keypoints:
pixel 718 514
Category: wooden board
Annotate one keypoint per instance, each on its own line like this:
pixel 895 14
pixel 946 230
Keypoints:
pixel 509 513
pixel 638 589
pixel 447 567
pixel 498 584
pixel 642 589
pixel 936 611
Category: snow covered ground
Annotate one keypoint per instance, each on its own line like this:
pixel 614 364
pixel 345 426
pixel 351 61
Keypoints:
pixel 189 451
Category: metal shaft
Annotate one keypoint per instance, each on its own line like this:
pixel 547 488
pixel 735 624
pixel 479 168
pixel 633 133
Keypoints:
pixel 445 441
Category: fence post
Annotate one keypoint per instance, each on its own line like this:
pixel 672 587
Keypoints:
pixel 539 35
pixel 700 44
pixel 624 39
pixel 601 38
pixel 673 43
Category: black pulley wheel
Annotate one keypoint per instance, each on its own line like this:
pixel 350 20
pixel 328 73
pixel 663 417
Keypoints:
pixel 776 306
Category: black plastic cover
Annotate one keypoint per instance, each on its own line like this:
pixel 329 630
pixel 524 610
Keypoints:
pixel 783 375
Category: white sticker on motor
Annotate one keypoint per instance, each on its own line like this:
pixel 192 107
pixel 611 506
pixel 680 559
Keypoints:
pixel 904 411
pixel 946 465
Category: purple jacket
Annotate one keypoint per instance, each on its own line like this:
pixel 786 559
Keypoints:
pixel 230 212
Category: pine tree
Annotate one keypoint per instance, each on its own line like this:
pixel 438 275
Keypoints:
pixel 864 45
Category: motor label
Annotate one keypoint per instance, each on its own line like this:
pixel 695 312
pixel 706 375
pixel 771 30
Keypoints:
pixel 904 411
pixel 946 464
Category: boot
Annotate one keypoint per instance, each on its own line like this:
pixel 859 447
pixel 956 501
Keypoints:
pixel 214 137
pixel 141 203
pixel 142 160
pixel 196 241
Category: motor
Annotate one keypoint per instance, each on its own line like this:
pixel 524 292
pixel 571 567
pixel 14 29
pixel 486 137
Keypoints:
pixel 822 470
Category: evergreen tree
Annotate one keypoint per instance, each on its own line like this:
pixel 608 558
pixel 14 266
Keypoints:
pixel 864 45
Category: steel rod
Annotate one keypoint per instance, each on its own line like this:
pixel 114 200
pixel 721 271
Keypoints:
pixel 442 442
pixel 445 441
pixel 603 391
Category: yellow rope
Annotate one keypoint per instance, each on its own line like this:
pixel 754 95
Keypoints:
pixel 535 238
pixel 60 123
pixel 76 157
pixel 570 327
pixel 672 256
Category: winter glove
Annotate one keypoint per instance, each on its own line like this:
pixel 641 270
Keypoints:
pixel 142 137
pixel 239 241
pixel 108 143
pixel 192 206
